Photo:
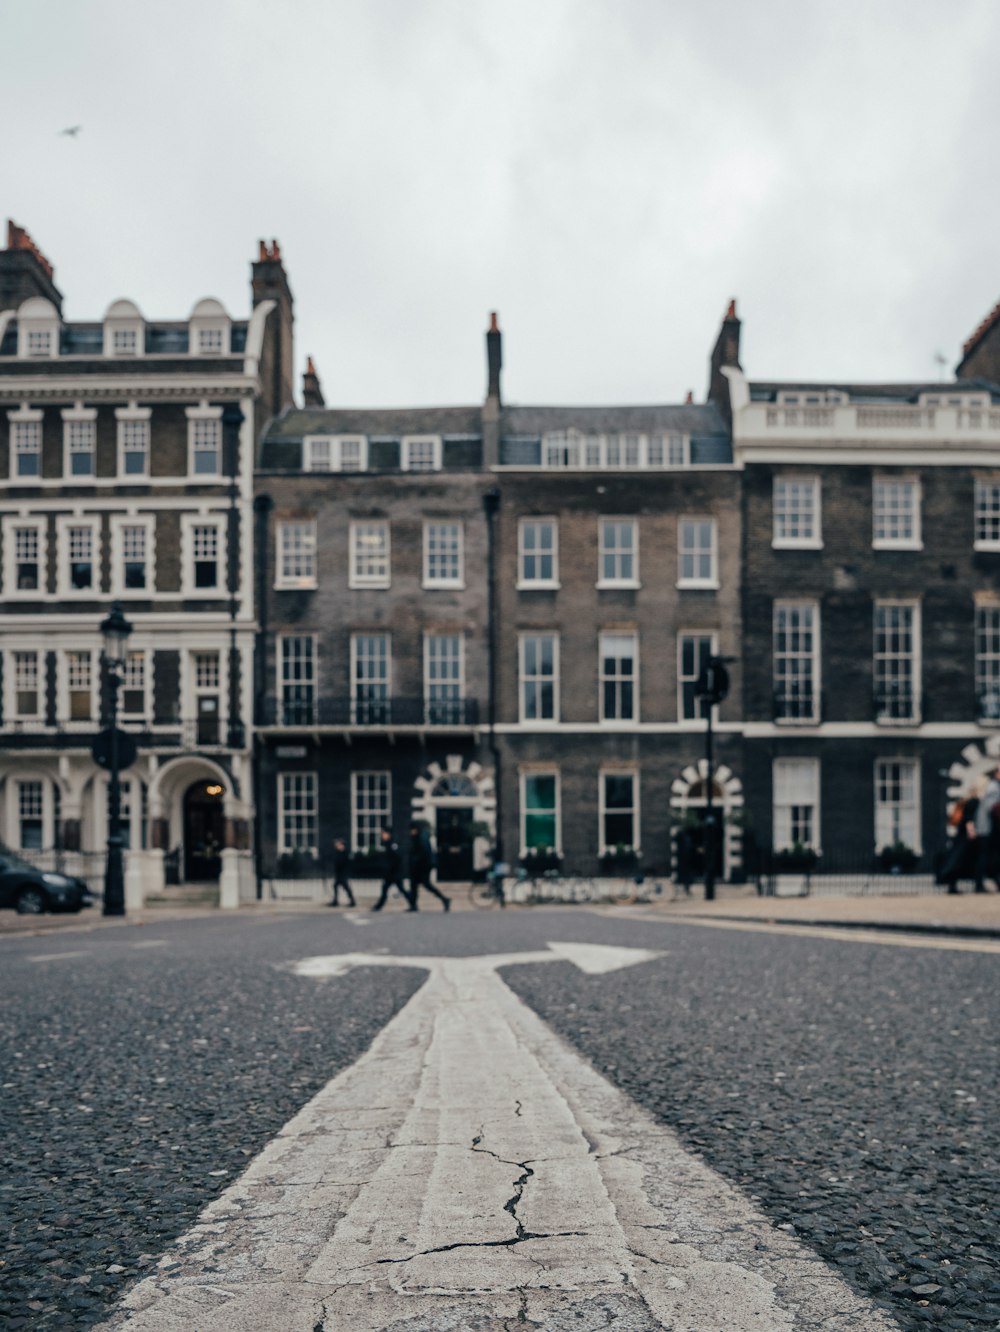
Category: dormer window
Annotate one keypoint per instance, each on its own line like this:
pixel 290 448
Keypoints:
pixel 124 330
pixel 420 453
pixel 209 329
pixel 37 329
pixel 334 453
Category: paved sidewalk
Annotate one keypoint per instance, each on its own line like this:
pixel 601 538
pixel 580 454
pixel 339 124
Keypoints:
pixel 968 914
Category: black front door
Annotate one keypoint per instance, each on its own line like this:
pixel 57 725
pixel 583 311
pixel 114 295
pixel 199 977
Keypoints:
pixel 454 845
pixel 204 828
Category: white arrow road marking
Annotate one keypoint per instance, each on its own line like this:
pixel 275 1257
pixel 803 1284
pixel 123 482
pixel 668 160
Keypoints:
pixel 58 957
pixel 469 1171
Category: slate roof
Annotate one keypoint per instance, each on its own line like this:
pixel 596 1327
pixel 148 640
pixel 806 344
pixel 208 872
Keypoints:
pixel 685 419
pixel 163 338
pixel 377 422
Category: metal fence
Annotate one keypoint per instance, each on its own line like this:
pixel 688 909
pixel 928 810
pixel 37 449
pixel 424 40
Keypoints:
pixel 86 865
pixel 846 874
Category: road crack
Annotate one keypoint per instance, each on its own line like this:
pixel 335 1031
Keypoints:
pixel 514 1240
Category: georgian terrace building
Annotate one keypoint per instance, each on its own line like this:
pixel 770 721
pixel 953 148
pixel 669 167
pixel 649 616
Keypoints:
pixel 126 458
pixel 612 540
pixel 871 604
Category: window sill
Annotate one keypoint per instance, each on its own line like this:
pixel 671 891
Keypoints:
pixel 897 545
pixel 380 586
pixel 790 543
pixel 698 585
pixel 539 586
pixel 443 585
pixel 303 585
pixel 993 546
pixel 618 584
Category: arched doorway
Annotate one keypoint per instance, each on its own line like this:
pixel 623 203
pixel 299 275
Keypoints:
pixel 687 805
pixel 458 804
pixel 204 831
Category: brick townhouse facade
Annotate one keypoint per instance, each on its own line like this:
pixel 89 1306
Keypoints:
pixel 126 452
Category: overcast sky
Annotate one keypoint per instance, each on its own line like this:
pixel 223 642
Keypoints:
pixel 604 173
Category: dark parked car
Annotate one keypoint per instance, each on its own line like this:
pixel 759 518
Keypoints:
pixel 31 891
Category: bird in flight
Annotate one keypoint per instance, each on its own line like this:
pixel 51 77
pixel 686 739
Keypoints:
pixel 73 130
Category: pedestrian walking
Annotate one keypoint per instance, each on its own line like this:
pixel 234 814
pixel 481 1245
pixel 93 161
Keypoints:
pixel 983 831
pixel 341 869
pixel 685 852
pixel 392 874
pixel 421 865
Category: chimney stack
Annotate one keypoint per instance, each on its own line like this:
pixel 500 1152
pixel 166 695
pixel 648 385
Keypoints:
pixel 312 390
pixel 25 271
pixel 494 358
pixel 269 282
pixel 726 352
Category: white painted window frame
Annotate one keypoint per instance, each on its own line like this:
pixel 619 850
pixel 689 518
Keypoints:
pixel 308 554
pixel 63 718
pixel 75 416
pixel 615 553
pixel 189 521
pixel 408 442
pixel 779 511
pixel 523 581
pixel 309 780
pixel 784 604
pixel 383 812
pixel 525 773
pixel 780 841
pixel 429 637
pixel 125 418
pixel 11 712
pixel 357 579
pixel 883 809
pixel 336 447
pixel 915 540
pixel 713 650
pixel 64 585
pixel 916 658
pixel 429 581
pixel 986 510
pixel 32 417
pixel 711 582
pixel 203 413
pixel 11 524
pixel 118 522
pixel 523 680
pixel 603 679
pixel 612 771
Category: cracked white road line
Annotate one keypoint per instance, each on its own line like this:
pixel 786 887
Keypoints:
pixel 471 1171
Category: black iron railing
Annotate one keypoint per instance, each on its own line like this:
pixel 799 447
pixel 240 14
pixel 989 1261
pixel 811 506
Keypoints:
pixel 369 711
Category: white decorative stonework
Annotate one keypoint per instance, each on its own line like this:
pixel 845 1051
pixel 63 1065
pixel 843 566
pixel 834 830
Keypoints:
pixel 457 786
pixel 687 793
pixel 975 762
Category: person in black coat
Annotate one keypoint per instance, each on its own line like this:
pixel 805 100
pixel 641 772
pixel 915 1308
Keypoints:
pixel 421 865
pixel 341 867
pixel 392 875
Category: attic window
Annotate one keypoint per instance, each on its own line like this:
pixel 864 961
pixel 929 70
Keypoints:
pixel 334 453
pixel 39 342
pixel 124 342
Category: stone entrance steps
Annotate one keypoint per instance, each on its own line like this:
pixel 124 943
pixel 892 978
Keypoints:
pixel 185 894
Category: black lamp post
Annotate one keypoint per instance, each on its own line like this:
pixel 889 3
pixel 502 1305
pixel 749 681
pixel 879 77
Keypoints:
pixel 114 631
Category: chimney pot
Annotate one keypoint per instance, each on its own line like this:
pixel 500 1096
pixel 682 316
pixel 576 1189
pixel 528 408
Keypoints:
pixel 731 311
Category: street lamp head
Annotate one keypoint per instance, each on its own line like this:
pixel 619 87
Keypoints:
pixel 115 630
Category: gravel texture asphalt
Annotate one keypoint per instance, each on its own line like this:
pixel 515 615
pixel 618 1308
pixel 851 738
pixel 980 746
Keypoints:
pixel 849 1088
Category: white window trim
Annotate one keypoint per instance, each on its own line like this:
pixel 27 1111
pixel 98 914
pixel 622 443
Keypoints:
pixel 13 832
pixel 203 413
pixel 11 589
pixel 612 771
pixel 427 580
pixel 119 521
pixel 64 587
pixel 28 415
pixel 443 633
pixel 122 415
pixel 814 542
pixel 355 678
pixel 617 721
pixel 632 583
pixel 336 443
pixel 538 721
pixel 189 521
pixel 126 325
pixel 283 582
pixel 63 719
pixel 279 663
pixel 817 843
pixel 918 688
pixel 542 770
pixel 713 651
pixel 817 660
pixel 356 580
pixel 39 323
pixel 13 718
pixel 313 776
pixel 190 690
pixel 405 462
pixel 538 584
pixel 914 762
pixel 710 584
pixel 209 323
pixel 386 817
pixel 904 543
pixel 146 716
pixel 72 414
pixel 576 440
pixel 981 543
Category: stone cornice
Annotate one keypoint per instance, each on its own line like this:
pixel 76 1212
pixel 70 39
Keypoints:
pixel 37 388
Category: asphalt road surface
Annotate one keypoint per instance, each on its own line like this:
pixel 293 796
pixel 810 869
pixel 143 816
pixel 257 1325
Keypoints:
pixel 848 1089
